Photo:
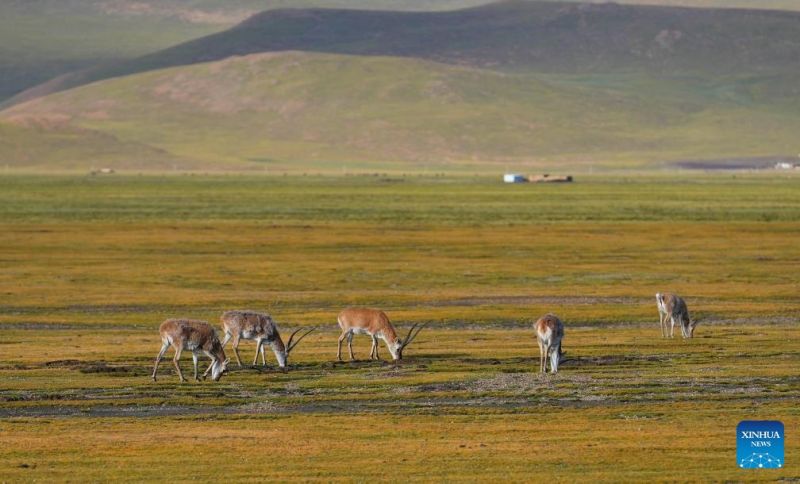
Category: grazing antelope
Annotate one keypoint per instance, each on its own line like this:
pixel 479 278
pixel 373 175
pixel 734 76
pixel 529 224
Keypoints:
pixel 376 324
pixel 261 328
pixel 673 308
pixel 195 336
pixel 549 332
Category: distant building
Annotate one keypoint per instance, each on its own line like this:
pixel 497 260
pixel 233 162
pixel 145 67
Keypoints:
pixel 514 178
pixel 785 165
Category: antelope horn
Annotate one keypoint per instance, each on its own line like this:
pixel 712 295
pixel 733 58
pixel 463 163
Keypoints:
pixel 291 346
pixel 410 336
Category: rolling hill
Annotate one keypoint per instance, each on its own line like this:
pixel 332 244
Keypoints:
pixel 42 39
pixel 747 4
pixel 741 4
pixel 298 111
pixel 543 84
pixel 510 36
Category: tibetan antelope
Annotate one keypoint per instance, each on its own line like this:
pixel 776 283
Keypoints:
pixel 376 324
pixel 673 308
pixel 261 328
pixel 549 332
pixel 195 336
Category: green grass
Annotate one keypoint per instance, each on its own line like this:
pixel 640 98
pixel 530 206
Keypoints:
pixel 91 265
pixel 298 112
pixel 428 247
pixel 399 201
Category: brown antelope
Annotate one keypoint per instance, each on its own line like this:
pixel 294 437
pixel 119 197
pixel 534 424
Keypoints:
pixel 549 332
pixel 195 336
pixel 673 308
pixel 376 324
pixel 261 328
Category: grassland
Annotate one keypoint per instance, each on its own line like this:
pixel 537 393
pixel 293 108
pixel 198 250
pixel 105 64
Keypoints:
pixel 298 112
pixel 628 406
pixel 90 265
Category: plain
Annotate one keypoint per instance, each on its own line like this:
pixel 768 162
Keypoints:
pixel 92 265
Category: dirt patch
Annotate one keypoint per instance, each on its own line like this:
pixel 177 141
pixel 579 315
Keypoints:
pixel 355 364
pixel 62 364
pixel 496 361
pixel 259 407
pixel 99 366
pixel 613 360
pixel 34 326
pixel 517 392
pixel 509 382
pixel 105 411
pixel 105 368
pixel 436 387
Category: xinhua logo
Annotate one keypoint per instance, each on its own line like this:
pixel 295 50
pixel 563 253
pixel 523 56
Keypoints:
pixel 759 444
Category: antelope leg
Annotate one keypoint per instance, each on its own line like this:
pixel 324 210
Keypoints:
pixel 177 357
pixel 158 359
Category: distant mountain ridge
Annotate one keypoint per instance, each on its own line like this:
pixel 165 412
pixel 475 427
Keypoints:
pixel 43 39
pixel 537 84
pixel 512 35
pixel 520 35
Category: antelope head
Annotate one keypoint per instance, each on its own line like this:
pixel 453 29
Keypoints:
pixel 218 368
pixel 283 357
pixel 396 348
pixel 690 329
